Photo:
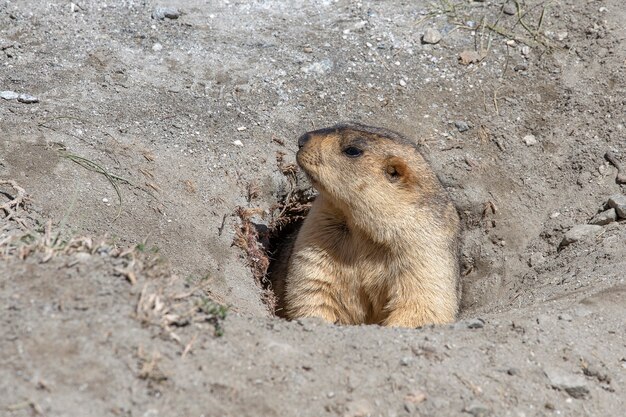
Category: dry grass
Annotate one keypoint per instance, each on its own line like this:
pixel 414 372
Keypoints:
pixel 11 207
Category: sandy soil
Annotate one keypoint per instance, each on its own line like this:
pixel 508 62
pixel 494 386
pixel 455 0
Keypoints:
pixel 123 294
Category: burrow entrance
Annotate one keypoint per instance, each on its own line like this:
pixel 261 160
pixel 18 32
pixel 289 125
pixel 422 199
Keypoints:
pixel 264 244
pixel 264 239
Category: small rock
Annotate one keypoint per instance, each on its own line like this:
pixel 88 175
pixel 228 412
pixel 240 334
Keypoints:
pixel 603 169
pixel 105 200
pixel 594 370
pixel 27 99
pixel 161 13
pixel 579 232
pixel 565 317
pixel 525 50
pixel 406 361
pixel 606 217
pixel 530 140
pixel 476 323
pixel 520 67
pixel 509 9
pixel 574 385
pixel 157 47
pixel 9 95
pixel 512 371
pixel 241 128
pixel 431 36
pixel 238 143
pixel 462 126
pixel 478 410
pixel 536 259
pixel 402 83
pixel 618 202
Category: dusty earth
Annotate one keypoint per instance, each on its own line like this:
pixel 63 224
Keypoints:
pixel 154 143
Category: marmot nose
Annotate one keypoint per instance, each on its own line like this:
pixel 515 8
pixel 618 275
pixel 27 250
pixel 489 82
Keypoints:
pixel 302 140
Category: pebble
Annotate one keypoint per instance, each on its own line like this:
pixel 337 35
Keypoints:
pixel 574 385
pixel 512 371
pixel 161 13
pixel 157 47
pixel 27 99
pixel 462 126
pixel 561 36
pixel 402 83
pixel 431 36
pixel 475 323
pixel 580 232
pixel 241 128
pixel 525 50
pixel 478 410
pixel 409 407
pixel 238 143
pixel 105 200
pixel 536 259
pixel 618 202
pixel 565 317
pixel 520 67
pixel 9 95
pixel 509 9
pixel 530 140
pixel 606 217
pixel 406 361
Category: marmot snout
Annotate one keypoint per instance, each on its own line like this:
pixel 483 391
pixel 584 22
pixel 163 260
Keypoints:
pixel 380 244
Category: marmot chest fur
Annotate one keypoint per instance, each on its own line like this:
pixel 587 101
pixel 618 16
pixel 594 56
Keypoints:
pixel 380 244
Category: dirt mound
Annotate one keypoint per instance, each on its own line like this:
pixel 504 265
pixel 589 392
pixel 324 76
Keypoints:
pixel 171 134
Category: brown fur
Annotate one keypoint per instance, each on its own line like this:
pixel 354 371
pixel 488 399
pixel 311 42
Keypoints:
pixel 380 244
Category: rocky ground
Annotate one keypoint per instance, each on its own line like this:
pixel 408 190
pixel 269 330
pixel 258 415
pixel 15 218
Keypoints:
pixel 140 140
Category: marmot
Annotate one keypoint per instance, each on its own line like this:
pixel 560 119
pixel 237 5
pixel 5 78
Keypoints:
pixel 380 244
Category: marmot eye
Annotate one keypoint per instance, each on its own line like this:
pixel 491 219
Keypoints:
pixel 352 152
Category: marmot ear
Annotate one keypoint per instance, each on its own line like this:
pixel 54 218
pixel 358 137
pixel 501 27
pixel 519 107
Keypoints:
pixel 397 170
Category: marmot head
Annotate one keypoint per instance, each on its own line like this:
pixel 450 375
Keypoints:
pixel 369 173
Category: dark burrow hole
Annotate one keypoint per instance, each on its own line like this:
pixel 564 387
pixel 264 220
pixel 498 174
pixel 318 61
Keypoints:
pixel 264 245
